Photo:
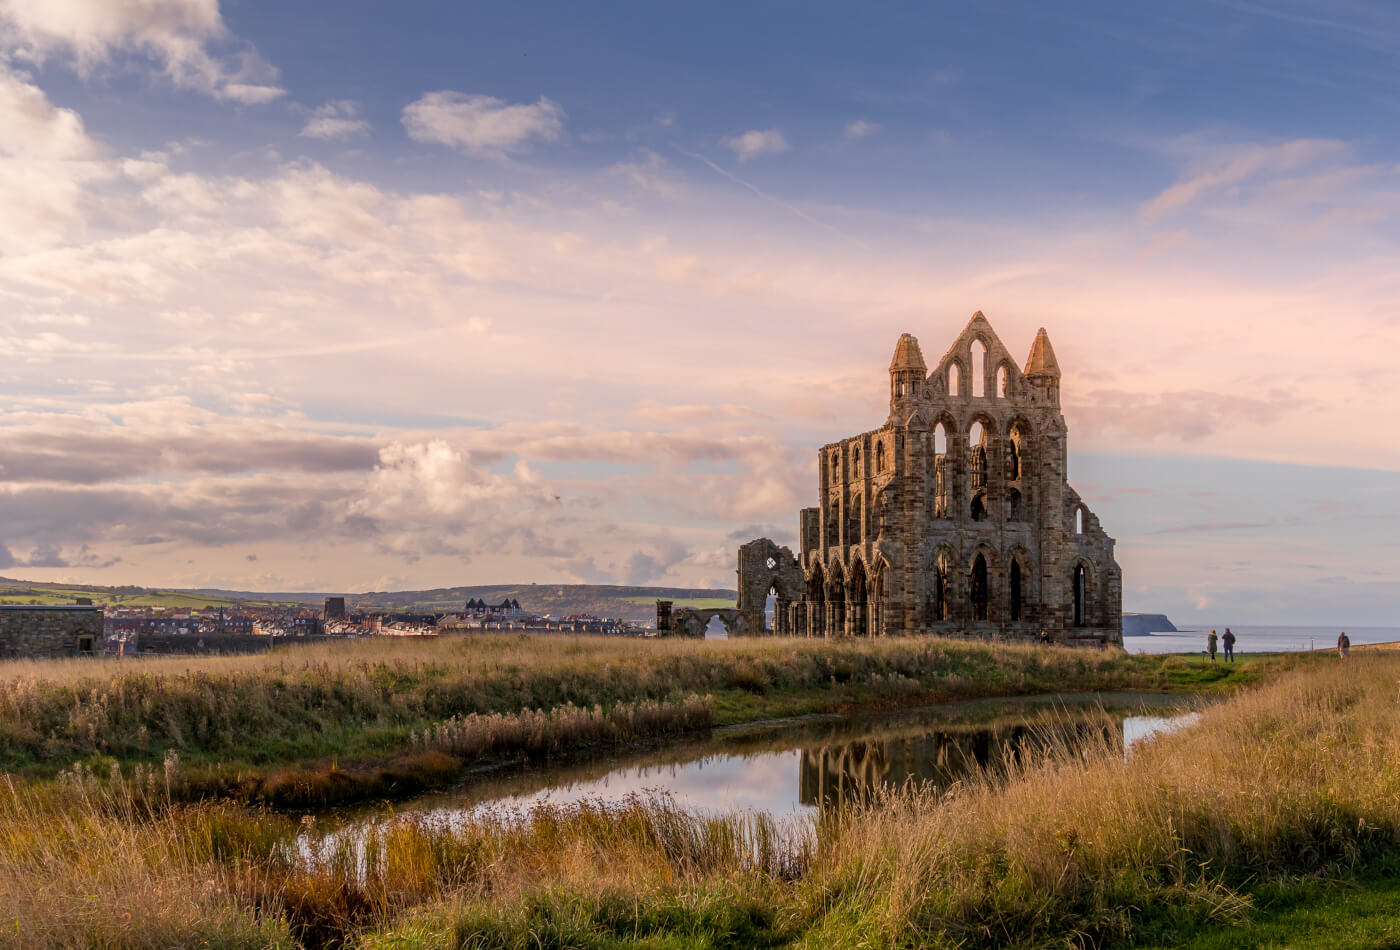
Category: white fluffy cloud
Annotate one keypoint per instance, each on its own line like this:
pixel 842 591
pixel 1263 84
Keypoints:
pixel 47 163
pixel 756 142
pixel 335 120
pixel 481 125
pixel 32 127
pixel 563 382
pixel 860 128
pixel 180 36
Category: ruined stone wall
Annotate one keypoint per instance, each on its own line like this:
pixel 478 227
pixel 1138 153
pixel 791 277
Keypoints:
pixel 766 568
pixel 955 516
pixel 46 632
pixel 692 622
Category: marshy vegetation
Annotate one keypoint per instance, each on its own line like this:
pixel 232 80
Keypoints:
pixel 1274 792
pixel 329 722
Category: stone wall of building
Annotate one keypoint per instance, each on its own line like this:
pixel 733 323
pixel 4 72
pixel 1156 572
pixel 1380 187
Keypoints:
pixel 216 643
pixel 49 631
pixel 956 516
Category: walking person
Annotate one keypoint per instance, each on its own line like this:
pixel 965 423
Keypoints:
pixel 1229 641
pixel 1343 644
pixel 1210 644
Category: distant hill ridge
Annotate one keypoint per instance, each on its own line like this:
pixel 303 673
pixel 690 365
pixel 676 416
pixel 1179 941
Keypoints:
pixel 635 603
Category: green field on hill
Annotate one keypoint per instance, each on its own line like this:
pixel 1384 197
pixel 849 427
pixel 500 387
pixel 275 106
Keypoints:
pixel 635 604
pixel 26 593
pixel 699 603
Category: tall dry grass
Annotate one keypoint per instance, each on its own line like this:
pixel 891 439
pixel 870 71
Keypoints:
pixel 537 731
pixel 346 698
pixel 87 864
pixel 1080 848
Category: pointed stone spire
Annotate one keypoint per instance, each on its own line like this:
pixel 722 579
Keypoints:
pixel 907 355
pixel 907 371
pixel 1042 360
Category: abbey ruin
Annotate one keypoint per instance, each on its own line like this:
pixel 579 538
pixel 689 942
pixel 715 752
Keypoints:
pixel 954 517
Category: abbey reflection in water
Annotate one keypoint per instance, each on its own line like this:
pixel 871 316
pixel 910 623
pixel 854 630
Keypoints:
pixel 851 772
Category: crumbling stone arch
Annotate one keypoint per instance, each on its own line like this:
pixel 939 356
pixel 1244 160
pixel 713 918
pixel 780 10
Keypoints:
pixel 941 585
pixel 1006 379
pixel 1020 583
pixel 1019 449
pixel 858 599
pixel 765 567
pixel 981 579
pixel 879 595
pixel 1082 589
pixel 692 622
pixel 977 360
pixel 814 607
pixel 956 374
pixel 836 599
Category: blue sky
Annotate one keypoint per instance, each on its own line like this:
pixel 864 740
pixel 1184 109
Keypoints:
pixel 434 293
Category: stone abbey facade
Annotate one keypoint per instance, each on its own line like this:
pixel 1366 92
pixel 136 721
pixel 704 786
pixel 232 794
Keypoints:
pixel 954 517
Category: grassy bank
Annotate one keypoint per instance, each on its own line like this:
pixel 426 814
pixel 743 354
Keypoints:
pixel 355 707
pixel 1264 809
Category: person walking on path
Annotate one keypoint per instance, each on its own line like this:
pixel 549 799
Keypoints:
pixel 1343 644
pixel 1210 645
pixel 1229 641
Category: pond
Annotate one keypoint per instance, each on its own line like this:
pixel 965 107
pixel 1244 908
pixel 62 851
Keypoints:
pixel 796 767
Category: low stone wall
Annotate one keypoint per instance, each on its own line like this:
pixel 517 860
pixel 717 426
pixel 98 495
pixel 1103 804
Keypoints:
pixel 213 643
pixel 692 622
pixel 49 631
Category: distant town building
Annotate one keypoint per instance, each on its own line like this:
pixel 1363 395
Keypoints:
pixel 335 609
pixel 507 609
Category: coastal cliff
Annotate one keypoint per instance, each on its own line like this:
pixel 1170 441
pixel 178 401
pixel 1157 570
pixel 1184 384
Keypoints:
pixel 1140 625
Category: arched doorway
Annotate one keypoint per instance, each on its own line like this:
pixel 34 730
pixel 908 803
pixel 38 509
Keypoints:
pixel 979 588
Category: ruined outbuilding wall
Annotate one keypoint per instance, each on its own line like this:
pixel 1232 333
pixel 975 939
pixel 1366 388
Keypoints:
pixel 49 631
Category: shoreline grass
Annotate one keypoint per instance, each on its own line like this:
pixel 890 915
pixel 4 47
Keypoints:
pixel 360 704
pixel 1274 796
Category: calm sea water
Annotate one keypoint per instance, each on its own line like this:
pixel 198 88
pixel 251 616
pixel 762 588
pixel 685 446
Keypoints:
pixel 1258 639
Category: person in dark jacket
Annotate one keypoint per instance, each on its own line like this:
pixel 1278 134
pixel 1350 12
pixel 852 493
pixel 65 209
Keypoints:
pixel 1343 644
pixel 1211 641
pixel 1229 641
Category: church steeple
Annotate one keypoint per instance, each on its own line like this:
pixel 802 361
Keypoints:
pixel 907 372
pixel 1043 370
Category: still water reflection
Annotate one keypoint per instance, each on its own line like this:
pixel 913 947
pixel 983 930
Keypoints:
pixel 795 768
